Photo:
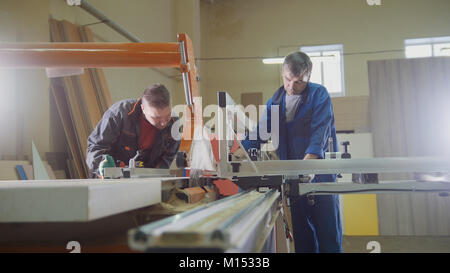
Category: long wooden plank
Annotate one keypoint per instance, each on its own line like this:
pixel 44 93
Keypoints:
pixel 75 97
pixel 58 91
pixel 86 89
pixel 74 200
pixel 97 75
pixel 58 138
pixel 58 94
pixel 75 109
pixel 75 113
pixel 70 103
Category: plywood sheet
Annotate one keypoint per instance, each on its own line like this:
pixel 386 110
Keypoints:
pixel 74 200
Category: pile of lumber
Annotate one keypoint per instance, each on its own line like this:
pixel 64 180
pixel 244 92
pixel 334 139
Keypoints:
pixel 80 100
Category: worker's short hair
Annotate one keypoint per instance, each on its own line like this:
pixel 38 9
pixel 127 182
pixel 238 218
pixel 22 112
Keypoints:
pixel 157 95
pixel 298 62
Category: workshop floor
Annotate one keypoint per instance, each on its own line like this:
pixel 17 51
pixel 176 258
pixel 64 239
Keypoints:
pixel 397 244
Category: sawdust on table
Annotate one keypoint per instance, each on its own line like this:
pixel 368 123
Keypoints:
pixel 175 205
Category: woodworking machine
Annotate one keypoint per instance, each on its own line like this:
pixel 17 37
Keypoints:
pixel 243 222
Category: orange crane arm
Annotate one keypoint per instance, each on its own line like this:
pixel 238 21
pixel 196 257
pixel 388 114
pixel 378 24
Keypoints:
pixel 98 55
pixel 90 55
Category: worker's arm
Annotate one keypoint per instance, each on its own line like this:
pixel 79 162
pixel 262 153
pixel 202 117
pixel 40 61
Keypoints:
pixel 321 121
pixel 310 156
pixel 254 140
pixel 100 140
pixel 167 157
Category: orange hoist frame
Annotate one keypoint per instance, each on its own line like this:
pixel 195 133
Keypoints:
pixel 190 79
pixel 100 55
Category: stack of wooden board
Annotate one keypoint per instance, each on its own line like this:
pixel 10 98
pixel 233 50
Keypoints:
pixel 80 100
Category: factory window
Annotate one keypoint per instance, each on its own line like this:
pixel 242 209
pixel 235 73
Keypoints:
pixel 427 47
pixel 328 67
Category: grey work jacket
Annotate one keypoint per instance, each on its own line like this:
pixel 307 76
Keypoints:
pixel 118 134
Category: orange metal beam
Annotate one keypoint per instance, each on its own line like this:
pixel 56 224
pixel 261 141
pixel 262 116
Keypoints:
pixel 190 59
pixel 100 55
pixel 90 55
pixel 190 118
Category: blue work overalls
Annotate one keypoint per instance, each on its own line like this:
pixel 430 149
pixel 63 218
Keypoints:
pixel 316 228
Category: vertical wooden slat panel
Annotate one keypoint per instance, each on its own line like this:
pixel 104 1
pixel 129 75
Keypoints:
pixel 409 116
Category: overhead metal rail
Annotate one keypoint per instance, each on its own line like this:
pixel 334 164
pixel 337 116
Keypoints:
pixel 104 19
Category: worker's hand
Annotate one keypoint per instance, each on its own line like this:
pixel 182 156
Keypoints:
pixel 239 153
pixel 310 156
pixel 307 178
pixel 107 162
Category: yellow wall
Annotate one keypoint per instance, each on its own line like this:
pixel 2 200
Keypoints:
pixel 359 211
pixel 361 215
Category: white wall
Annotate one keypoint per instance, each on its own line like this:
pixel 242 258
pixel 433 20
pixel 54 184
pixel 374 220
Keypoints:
pixel 236 28
pixel 25 111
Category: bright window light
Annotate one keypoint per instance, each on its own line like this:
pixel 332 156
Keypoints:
pixel 328 67
pixel 441 49
pixel 273 60
pixel 418 51
pixel 427 47
pixel 445 51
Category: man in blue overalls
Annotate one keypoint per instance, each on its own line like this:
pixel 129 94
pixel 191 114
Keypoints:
pixel 306 122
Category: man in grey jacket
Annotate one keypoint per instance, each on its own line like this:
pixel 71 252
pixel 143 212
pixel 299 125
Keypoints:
pixel 131 126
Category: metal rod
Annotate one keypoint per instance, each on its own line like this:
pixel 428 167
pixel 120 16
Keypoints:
pixel 176 219
pixel 221 224
pixel 335 166
pixel 187 88
pixel 232 220
pixel 121 30
pixel 382 187
pixel 223 149
pixel 97 14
